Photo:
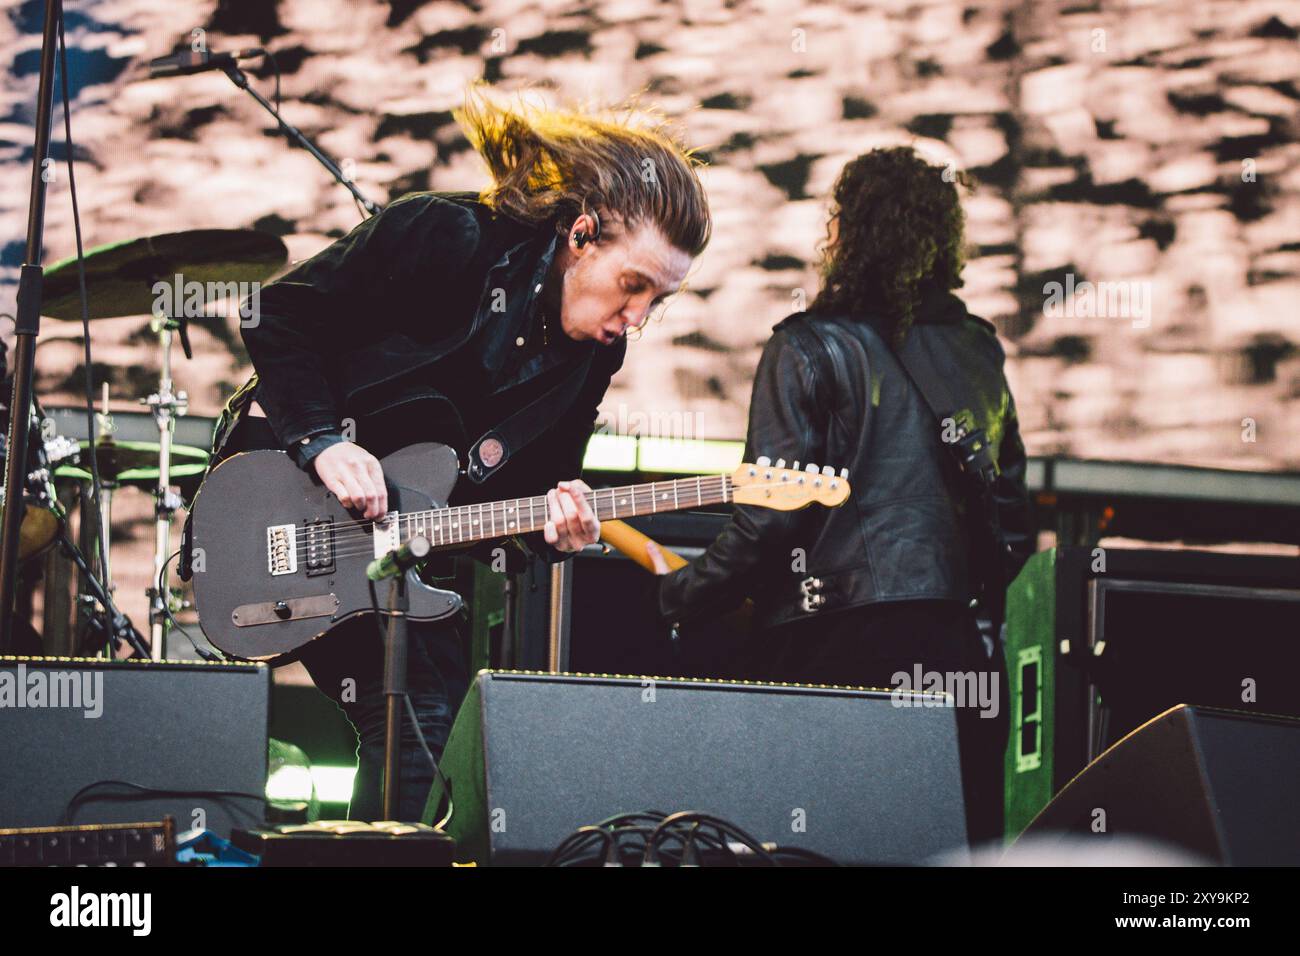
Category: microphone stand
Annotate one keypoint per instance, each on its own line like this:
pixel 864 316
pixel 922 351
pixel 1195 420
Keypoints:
pixel 395 567
pixel 399 603
pixel 240 79
pixel 27 326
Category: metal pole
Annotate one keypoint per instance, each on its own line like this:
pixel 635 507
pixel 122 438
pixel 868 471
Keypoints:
pixel 166 405
pixel 27 327
pixel 394 693
pixel 557 657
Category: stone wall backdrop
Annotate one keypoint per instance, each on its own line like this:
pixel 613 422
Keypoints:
pixel 1145 147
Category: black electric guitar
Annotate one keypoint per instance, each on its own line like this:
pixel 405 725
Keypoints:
pixel 278 561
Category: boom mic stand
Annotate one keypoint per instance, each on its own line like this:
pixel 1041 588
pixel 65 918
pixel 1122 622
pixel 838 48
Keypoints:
pixel 27 326
pixel 240 79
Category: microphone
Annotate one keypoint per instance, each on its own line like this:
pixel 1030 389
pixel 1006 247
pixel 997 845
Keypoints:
pixel 197 61
pixel 396 562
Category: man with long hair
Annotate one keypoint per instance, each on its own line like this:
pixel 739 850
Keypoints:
pixel 857 594
pixel 440 318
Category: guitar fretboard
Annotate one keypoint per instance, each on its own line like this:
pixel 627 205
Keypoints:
pixel 497 519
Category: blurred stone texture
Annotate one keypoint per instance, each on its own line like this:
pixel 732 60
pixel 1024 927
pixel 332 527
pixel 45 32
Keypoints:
pixel 1148 143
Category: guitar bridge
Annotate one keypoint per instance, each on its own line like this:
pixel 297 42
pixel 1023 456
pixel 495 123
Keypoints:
pixel 318 539
pixel 281 549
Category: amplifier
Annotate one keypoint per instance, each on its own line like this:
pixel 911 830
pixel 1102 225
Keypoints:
pixel 852 775
pixel 1099 641
pixel 114 844
pixel 87 740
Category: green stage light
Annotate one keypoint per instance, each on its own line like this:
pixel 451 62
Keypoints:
pixel 333 784
pixel 610 453
pixel 688 456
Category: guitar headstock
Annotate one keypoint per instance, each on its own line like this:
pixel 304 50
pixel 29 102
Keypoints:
pixel 788 489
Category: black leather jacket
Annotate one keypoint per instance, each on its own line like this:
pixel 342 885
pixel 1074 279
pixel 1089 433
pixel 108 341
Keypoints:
pixel 829 390
pixel 423 324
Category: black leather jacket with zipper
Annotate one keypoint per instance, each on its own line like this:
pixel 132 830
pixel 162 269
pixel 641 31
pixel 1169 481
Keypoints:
pixel 829 390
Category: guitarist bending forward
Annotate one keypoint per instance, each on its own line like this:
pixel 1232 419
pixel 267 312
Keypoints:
pixel 438 320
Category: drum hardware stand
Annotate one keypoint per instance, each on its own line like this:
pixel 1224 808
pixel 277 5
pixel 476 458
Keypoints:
pixel 103 506
pixel 104 623
pixel 166 406
pixel 106 619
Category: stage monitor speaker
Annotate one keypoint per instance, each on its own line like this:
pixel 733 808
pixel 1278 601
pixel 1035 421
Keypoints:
pixel 849 774
pixel 1099 641
pixel 1222 784
pixel 182 730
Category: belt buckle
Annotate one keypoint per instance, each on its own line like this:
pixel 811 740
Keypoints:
pixel 813 599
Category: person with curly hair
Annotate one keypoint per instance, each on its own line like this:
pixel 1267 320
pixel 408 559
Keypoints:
pixel 883 585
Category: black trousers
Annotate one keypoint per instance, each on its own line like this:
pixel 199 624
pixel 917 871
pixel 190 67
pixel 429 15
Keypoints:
pixel 347 665
pixel 867 646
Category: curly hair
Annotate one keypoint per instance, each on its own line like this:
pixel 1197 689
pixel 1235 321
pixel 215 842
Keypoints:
pixel 547 162
pixel 900 228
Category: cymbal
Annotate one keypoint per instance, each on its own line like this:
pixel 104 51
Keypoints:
pixel 120 276
pixel 135 462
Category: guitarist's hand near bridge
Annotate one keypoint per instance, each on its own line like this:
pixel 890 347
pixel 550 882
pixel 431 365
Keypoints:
pixel 357 479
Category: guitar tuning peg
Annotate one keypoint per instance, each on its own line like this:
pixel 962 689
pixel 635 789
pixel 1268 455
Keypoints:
pixel 828 470
pixel 780 463
pixel 844 473
pixel 811 468
pixel 795 466
pixel 763 461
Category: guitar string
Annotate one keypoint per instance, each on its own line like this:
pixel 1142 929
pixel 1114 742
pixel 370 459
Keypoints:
pixel 363 531
pixel 480 532
pixel 604 496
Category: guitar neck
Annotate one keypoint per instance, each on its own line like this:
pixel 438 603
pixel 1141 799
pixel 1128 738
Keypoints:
pixel 465 524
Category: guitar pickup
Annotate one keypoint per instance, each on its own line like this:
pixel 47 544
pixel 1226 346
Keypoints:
pixel 318 546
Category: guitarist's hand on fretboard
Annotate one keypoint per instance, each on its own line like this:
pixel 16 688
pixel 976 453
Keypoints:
pixel 572 525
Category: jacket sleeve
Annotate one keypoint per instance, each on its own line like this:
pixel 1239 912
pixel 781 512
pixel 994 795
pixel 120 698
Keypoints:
pixel 784 422
pixel 307 322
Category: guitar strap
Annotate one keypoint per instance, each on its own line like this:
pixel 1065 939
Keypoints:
pixel 969 448
pixel 494 448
